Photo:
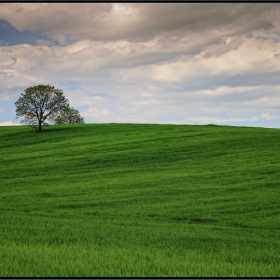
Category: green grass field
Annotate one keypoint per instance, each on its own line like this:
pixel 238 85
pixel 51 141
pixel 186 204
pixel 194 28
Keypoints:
pixel 128 200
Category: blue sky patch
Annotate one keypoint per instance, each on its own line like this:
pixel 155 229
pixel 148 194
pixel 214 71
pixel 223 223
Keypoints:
pixel 11 36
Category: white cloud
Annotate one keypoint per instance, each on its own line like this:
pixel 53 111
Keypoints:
pixel 123 10
pixel 253 119
pixel 253 56
pixel 11 78
pixel 208 120
pixel 268 116
pixel 8 123
pixel 140 92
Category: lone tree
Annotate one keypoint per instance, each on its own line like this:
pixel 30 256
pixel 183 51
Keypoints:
pixel 40 105
pixel 69 116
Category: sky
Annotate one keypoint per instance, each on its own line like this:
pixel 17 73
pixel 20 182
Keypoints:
pixel 165 63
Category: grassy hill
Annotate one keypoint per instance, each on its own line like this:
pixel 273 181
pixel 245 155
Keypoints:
pixel 139 200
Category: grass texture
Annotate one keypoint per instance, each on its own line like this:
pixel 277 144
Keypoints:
pixel 139 200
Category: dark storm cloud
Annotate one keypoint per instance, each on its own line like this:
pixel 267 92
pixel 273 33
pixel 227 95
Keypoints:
pixel 177 18
pixel 139 21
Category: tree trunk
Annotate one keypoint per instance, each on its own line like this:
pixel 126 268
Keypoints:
pixel 40 126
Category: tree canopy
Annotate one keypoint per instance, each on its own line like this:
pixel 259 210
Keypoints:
pixel 40 105
pixel 69 116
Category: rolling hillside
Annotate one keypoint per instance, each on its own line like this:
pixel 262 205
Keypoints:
pixel 127 200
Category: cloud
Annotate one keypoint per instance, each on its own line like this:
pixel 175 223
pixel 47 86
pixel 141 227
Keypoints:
pixel 138 88
pixel 268 116
pixel 8 123
pixel 149 62
pixel 208 120
pixel 43 42
pixel 226 90
pixel 138 21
